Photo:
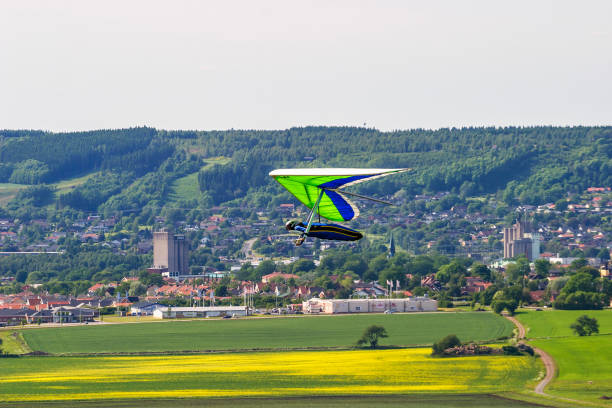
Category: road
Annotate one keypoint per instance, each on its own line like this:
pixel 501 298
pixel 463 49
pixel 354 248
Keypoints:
pixel 548 361
pixel 247 248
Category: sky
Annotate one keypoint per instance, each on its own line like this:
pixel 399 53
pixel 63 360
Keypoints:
pixel 267 64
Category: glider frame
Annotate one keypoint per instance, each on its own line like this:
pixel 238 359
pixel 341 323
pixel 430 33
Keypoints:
pixel 315 208
pixel 361 196
pixel 313 212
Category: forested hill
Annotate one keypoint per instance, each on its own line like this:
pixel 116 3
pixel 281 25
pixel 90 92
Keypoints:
pixel 129 169
pixel 33 157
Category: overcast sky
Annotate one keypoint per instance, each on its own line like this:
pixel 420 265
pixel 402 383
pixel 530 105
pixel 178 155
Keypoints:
pixel 258 64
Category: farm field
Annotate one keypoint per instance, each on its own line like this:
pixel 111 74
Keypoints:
pixel 584 367
pixel 266 333
pixel 12 342
pixel 361 401
pixel 278 374
pixel 128 319
pixel 556 323
pixel 584 363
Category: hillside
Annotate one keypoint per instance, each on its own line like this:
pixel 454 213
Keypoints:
pixel 144 166
pixel 96 196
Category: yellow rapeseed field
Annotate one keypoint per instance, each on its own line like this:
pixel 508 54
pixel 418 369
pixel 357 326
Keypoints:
pixel 258 374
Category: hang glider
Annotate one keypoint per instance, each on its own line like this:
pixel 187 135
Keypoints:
pixel 322 190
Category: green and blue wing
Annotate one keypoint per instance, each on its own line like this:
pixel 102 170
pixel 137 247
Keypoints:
pixel 306 185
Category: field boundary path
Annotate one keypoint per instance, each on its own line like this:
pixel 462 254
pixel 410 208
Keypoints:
pixel 548 361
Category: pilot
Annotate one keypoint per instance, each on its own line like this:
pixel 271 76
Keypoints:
pixel 323 231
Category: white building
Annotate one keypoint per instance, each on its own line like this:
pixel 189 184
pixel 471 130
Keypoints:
pixel 334 306
pixel 207 311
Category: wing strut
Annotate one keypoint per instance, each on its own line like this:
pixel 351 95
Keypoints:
pixel 362 196
pixel 311 217
pixel 314 211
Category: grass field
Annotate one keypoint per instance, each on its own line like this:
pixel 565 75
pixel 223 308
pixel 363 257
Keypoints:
pixel 13 342
pixel 584 363
pixel 64 186
pixel 556 323
pixel 187 187
pixel 361 401
pixel 128 319
pixel 359 372
pixel 8 191
pixel 584 367
pixel 290 332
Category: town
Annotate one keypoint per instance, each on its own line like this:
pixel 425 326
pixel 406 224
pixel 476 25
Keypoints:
pixel 238 261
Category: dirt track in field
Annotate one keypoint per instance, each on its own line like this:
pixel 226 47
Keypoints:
pixel 548 361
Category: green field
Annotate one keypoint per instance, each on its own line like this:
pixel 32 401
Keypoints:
pixel 8 191
pixel 128 319
pixel 556 323
pixel 12 342
pixel 187 187
pixel 271 374
pixel 268 333
pixel 344 378
pixel 64 186
pixel 584 367
pixel 362 401
pixel 584 363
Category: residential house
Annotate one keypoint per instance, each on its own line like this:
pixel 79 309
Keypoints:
pixel 369 290
pixel 144 308
pixel 431 282
pixel 475 285
pixel 15 316
pixel 285 276
pixel 73 315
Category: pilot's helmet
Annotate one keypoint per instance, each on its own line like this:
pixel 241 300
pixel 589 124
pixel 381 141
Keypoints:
pixel 290 225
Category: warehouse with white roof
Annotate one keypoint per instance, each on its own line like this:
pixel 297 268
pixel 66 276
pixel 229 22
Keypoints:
pixel 333 306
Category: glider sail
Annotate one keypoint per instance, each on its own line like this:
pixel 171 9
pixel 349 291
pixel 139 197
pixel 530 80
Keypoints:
pixel 306 186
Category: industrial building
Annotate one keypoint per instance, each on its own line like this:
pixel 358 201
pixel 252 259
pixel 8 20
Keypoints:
pixel 519 240
pixel 170 254
pixel 333 306
pixel 206 311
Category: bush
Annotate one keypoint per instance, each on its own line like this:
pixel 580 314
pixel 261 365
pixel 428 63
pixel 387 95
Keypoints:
pixel 524 348
pixel 447 342
pixel 108 310
pixel 511 351
pixel 445 303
